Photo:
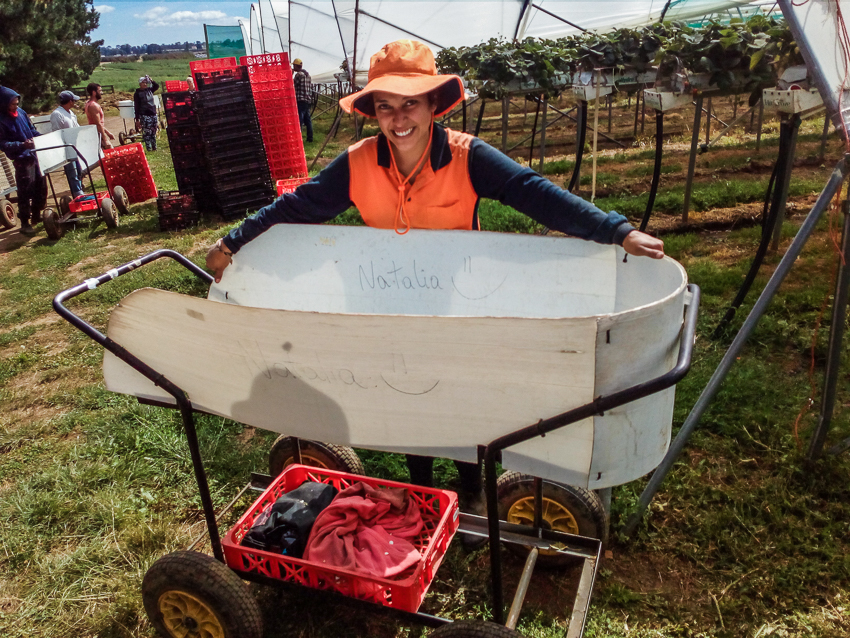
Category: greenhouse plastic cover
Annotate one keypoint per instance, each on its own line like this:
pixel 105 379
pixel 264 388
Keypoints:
pixel 324 33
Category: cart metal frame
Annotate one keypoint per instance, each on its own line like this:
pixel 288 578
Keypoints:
pixel 535 537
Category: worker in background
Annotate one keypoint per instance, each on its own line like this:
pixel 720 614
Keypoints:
pixel 146 116
pixel 64 117
pixel 303 96
pixel 94 114
pixel 16 140
pixel 418 174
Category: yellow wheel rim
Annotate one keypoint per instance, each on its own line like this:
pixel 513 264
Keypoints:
pixel 185 616
pixel 555 517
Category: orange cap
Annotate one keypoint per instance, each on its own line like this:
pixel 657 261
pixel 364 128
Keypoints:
pixel 405 67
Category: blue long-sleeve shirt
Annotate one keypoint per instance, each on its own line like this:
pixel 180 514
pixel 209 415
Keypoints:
pixel 493 175
pixel 15 130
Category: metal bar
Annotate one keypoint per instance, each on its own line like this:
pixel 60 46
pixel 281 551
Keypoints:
pixel 838 175
pixel 522 588
pixel 758 134
pixel 533 134
pixel 692 160
pixel 595 138
pixel 836 339
pixel 642 110
pixel 543 133
pixel 557 17
pixel 224 511
pixel 157 378
pixel 708 122
pixel 785 183
pixel 585 588
pixel 480 117
pixel 395 26
pixel 506 105
pixel 610 103
pixel 731 125
pixel 823 137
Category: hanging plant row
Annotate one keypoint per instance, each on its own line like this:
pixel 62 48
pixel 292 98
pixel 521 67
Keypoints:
pixel 739 54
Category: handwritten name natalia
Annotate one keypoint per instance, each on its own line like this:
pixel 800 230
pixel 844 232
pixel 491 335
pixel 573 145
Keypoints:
pixel 398 278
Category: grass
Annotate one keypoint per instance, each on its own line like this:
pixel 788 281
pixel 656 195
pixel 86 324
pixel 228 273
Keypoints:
pixel 742 540
pixel 124 76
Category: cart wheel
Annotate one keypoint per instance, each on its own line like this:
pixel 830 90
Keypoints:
pixel 473 629
pixel 121 201
pixel 108 213
pixel 7 213
pixel 122 138
pixel 65 205
pixel 189 594
pixel 314 453
pixel 569 509
pixel 51 223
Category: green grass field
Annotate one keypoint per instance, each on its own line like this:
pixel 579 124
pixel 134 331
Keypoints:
pixel 124 76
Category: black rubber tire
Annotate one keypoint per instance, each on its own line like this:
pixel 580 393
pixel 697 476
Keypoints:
pixel 121 201
pixel 315 453
pixel 7 213
pixel 473 629
pixel 65 205
pixel 183 588
pixel 51 223
pixel 108 213
pixel 122 138
pixel 566 508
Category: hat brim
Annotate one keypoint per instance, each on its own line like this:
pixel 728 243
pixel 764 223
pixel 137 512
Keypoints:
pixel 449 89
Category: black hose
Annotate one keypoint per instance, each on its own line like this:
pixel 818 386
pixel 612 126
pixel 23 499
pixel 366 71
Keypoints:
pixel 656 172
pixel 784 163
pixel 533 132
pixel 582 134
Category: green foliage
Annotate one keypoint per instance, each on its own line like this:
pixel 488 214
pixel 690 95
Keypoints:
pixel 45 47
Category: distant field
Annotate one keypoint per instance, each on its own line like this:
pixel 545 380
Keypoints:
pixel 124 76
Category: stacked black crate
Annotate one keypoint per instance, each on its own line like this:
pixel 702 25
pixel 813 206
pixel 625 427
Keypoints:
pixel 187 150
pixel 233 147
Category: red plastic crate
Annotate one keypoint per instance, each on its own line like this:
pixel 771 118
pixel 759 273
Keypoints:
pixel 85 203
pixel 439 510
pixel 213 64
pixel 176 86
pixel 127 166
pixel 289 185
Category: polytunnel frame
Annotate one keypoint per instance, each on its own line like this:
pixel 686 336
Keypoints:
pixel 810 38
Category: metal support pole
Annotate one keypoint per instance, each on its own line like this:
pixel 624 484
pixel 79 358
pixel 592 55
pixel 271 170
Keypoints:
pixel 506 105
pixel 836 340
pixel 642 111
pixel 713 387
pixel 786 182
pixel 692 161
pixel 823 137
pixel 543 133
pixel 637 112
pixel 610 103
pixel 708 122
pixel 480 117
pixel 761 117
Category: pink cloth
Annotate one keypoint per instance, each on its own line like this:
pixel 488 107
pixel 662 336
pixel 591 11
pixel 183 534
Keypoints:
pixel 367 530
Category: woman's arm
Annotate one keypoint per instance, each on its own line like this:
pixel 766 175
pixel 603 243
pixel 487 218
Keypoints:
pixel 496 176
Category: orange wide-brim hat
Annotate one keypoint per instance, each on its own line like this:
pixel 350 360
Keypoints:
pixel 405 67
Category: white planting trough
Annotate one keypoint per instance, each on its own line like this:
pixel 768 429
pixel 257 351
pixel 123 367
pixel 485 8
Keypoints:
pixel 433 342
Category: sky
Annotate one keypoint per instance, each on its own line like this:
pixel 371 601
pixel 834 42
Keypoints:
pixel 138 22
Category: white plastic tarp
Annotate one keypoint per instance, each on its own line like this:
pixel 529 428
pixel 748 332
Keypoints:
pixel 323 33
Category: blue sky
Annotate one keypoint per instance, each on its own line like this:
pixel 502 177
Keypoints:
pixel 156 21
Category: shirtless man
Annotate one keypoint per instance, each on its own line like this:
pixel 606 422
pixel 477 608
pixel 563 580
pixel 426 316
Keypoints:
pixel 94 114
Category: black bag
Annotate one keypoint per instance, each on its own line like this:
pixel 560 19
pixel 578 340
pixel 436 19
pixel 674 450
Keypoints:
pixel 285 527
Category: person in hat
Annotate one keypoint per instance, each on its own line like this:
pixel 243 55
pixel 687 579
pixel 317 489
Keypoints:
pixel 16 141
pixel 303 96
pixel 64 117
pixel 145 107
pixel 417 174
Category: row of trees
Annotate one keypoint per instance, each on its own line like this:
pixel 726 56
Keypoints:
pixel 46 46
pixel 151 49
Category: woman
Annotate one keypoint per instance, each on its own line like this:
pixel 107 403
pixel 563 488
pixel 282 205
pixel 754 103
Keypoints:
pixel 417 174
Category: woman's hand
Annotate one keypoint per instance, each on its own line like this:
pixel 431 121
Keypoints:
pixel 642 245
pixel 218 259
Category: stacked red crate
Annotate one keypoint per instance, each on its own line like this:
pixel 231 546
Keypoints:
pixel 204 69
pixel 274 96
pixel 127 166
pixel 172 86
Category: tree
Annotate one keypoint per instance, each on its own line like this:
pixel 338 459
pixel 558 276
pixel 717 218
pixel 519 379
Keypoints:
pixel 45 47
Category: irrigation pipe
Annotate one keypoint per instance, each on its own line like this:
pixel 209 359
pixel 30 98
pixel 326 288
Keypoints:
pixel 656 171
pixel 774 197
pixel 581 136
pixel 713 387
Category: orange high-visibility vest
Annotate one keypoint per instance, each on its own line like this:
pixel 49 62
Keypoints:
pixel 441 200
